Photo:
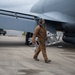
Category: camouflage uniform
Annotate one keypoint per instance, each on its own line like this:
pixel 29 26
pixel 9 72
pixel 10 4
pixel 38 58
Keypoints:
pixel 40 32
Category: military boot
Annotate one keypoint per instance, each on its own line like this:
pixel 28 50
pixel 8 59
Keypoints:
pixel 35 58
pixel 47 61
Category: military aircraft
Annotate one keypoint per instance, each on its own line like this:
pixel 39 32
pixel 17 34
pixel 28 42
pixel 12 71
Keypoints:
pixel 58 14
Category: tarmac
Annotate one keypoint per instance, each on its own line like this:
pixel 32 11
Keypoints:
pixel 17 59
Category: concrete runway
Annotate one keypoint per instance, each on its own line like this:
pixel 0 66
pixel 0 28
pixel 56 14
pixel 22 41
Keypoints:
pixel 17 59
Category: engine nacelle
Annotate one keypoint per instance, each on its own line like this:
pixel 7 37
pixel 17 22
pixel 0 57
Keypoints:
pixel 69 39
pixel 69 28
pixel 69 34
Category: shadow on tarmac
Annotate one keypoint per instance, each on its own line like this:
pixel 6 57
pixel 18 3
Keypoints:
pixel 64 46
pixel 61 45
pixel 11 44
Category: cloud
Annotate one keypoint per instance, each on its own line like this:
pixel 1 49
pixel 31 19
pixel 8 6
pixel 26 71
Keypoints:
pixel 17 2
pixel 17 5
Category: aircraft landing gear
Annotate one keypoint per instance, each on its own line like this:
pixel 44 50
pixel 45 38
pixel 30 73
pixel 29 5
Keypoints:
pixel 28 35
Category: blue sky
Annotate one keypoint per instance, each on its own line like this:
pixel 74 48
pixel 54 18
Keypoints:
pixel 17 5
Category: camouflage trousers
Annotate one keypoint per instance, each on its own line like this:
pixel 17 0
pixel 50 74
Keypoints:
pixel 41 47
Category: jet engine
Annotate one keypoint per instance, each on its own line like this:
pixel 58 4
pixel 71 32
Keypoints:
pixel 69 37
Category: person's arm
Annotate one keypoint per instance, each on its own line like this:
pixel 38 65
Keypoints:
pixel 35 33
pixel 46 32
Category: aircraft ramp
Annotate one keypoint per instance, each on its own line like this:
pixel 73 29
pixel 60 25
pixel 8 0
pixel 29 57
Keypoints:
pixel 17 59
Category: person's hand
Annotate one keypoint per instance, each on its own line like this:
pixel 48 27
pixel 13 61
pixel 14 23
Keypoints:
pixel 33 42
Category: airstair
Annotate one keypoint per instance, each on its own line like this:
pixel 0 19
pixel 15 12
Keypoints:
pixel 53 38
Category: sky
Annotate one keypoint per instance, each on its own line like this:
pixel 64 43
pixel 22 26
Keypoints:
pixel 17 5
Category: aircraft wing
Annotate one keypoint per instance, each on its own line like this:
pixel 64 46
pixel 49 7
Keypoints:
pixel 17 21
pixel 58 21
pixel 21 21
pixel 57 16
pixel 27 22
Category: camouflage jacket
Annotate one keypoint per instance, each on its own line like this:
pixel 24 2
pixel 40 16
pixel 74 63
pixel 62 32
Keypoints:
pixel 39 32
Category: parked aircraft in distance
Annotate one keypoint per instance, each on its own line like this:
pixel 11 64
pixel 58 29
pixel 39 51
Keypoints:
pixel 59 16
